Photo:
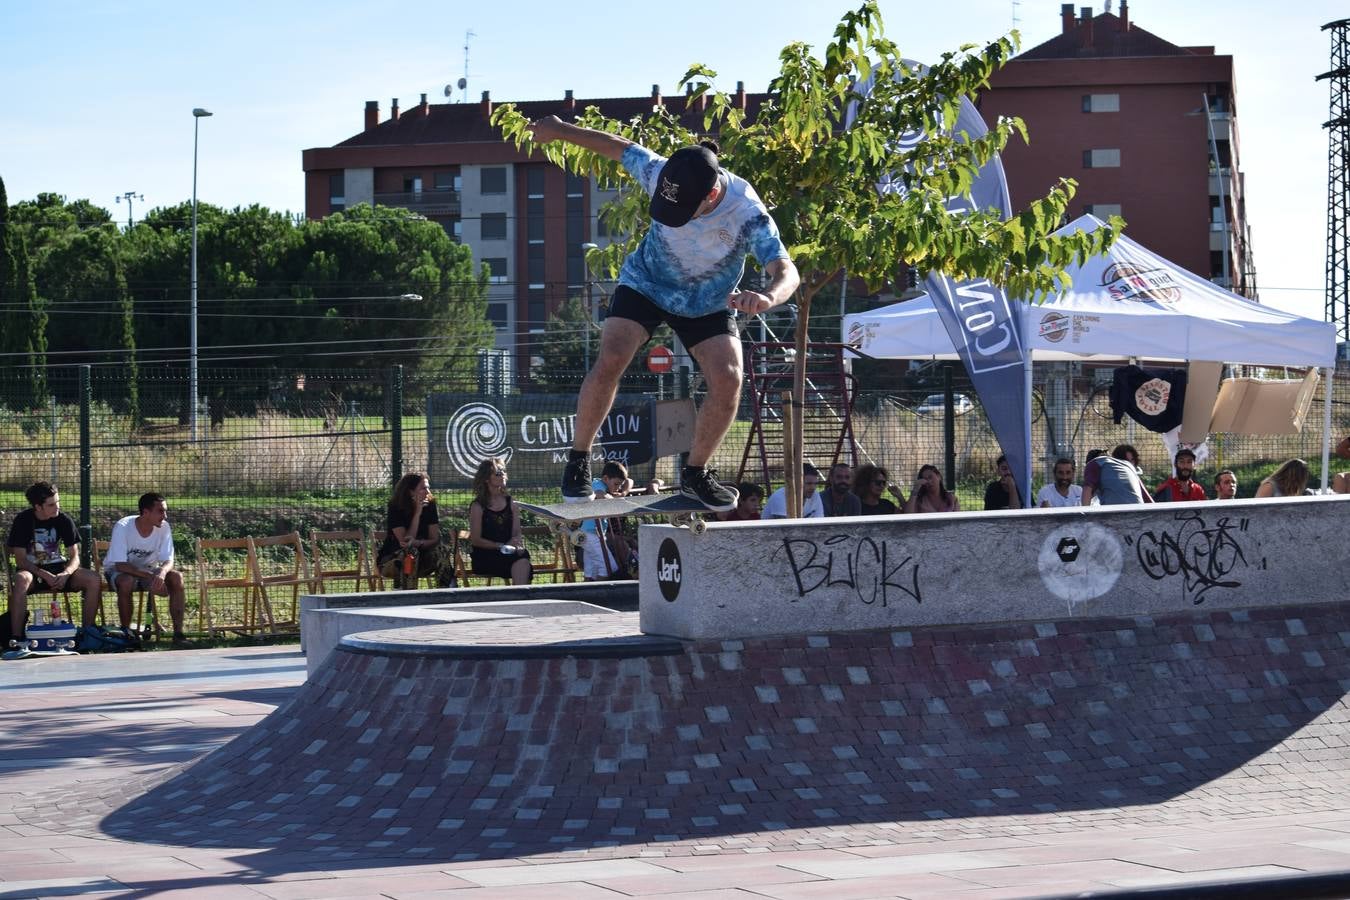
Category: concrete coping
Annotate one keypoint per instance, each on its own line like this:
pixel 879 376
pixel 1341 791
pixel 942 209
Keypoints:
pixel 578 636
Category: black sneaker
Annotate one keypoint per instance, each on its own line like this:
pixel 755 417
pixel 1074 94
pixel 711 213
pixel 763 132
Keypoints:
pixel 701 484
pixel 576 480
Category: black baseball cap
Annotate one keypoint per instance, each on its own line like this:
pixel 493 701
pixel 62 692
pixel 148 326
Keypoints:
pixel 685 181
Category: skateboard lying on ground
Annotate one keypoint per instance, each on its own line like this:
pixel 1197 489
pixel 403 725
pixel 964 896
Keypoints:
pixel 566 518
pixel 55 639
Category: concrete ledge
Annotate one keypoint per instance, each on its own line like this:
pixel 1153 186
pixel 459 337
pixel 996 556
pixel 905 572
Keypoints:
pixel 818 576
pixel 326 628
pixel 583 636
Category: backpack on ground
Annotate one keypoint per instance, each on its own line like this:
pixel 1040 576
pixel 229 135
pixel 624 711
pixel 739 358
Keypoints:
pixel 93 639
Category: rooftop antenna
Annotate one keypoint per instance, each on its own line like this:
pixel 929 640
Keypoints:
pixel 464 81
pixel 1016 19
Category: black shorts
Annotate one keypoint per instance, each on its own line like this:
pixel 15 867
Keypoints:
pixel 629 304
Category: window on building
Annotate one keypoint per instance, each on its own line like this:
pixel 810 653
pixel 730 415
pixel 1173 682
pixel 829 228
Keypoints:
pixel 577 185
pixel 534 181
pixel 536 268
pixel 412 184
pixel 1101 103
pixel 499 314
pixel 337 192
pixel 1102 210
pixel 1225 150
pixel 536 308
pixel 446 181
pixel 493 226
pixel 1101 159
pixel 454 228
pixel 534 219
pixel 492 179
pixel 497 266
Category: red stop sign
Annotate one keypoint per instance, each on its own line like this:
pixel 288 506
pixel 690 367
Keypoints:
pixel 660 360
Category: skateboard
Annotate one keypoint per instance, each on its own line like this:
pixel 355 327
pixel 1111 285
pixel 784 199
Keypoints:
pixel 565 518
pixel 55 639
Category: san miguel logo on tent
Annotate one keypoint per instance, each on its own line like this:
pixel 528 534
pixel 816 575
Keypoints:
pixel 1054 326
pixel 1127 281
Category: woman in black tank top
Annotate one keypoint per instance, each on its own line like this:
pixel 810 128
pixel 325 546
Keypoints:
pixel 496 546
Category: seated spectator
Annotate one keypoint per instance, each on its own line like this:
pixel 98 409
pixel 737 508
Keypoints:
pixel 412 526
pixel 838 498
pixel 496 546
pixel 748 505
pixel 776 507
pixel 868 483
pixel 1340 482
pixel 1002 493
pixel 930 494
pixel 1061 492
pixel 140 557
pixel 1225 485
pixel 1289 480
pixel 604 553
pixel 1182 485
pixel 46 548
pixel 1113 480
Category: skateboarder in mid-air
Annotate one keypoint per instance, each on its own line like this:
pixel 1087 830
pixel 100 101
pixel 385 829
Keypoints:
pixel 685 273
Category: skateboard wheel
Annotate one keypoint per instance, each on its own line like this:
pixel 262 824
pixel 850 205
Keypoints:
pixel 577 538
pixel 698 526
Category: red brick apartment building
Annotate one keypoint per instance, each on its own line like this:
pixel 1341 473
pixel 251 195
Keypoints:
pixel 1122 111
pixel 1148 129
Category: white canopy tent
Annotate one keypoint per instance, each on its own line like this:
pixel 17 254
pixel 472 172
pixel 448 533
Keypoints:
pixel 1129 303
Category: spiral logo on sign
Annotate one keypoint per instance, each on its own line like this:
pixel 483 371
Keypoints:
pixel 475 432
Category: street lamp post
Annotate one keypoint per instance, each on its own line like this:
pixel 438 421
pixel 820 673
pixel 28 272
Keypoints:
pixel 590 305
pixel 197 115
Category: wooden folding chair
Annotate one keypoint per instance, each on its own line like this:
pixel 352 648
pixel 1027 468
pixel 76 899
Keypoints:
pixel 348 546
pixel 141 597
pixel 550 554
pixel 279 562
pixel 226 565
pixel 376 576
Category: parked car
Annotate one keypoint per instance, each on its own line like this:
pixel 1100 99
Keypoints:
pixel 934 404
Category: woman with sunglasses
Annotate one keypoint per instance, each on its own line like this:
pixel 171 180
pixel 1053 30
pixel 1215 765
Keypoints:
pixel 869 482
pixel 496 545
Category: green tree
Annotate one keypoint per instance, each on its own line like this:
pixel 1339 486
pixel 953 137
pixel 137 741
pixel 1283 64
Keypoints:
pixel 819 179
pixel 23 320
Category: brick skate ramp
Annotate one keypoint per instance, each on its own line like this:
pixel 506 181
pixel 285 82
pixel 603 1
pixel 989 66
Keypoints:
pixel 501 739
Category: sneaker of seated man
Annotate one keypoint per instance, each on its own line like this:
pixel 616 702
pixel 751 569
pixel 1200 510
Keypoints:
pixel 140 557
pixel 46 548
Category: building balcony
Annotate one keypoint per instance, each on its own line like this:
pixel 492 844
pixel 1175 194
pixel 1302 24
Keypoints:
pixel 428 203
pixel 1220 182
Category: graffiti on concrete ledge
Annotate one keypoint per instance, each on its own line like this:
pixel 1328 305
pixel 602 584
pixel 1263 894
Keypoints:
pixel 873 570
pixel 1204 555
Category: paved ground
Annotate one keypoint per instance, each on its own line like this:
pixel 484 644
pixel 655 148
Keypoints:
pixel 77 732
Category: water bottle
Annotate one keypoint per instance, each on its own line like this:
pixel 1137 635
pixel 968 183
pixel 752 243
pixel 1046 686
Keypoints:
pixel 55 611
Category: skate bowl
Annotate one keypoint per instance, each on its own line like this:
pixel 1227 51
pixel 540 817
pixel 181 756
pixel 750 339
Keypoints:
pixel 507 738
pixel 988 706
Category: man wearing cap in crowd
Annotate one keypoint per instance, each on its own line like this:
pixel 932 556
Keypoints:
pixel 685 272
pixel 1182 485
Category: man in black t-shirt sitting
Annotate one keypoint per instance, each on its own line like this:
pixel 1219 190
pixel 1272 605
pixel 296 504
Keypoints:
pixel 1001 493
pixel 46 548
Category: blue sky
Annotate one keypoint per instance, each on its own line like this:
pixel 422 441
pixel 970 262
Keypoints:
pixel 99 95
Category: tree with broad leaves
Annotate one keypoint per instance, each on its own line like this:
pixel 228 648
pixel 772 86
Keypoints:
pixel 820 179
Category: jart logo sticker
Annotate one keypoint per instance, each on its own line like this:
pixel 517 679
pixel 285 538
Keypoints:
pixel 669 572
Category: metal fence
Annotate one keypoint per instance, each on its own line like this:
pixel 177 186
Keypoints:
pixel 275 452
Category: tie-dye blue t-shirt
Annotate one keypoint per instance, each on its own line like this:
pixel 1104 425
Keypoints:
pixel 691 270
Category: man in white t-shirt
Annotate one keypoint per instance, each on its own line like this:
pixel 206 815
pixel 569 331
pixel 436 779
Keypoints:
pixel 812 508
pixel 140 557
pixel 1063 492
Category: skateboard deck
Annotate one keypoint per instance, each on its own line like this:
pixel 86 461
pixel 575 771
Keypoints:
pixel 55 639
pixel 566 518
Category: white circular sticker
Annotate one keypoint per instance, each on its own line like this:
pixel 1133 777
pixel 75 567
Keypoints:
pixel 1080 562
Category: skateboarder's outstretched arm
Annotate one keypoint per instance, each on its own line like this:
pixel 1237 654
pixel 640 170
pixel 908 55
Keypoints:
pixel 551 128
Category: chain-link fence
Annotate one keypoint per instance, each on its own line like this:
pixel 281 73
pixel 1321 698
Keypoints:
pixel 268 453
